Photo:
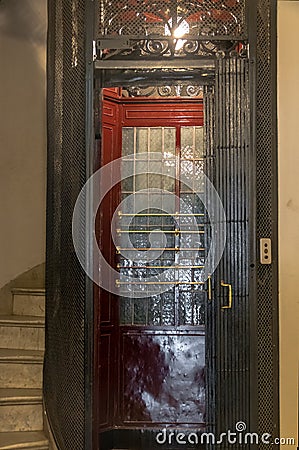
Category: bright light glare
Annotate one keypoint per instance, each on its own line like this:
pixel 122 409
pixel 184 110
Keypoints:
pixel 179 32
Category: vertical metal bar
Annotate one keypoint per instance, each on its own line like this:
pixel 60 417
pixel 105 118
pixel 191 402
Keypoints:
pixel 134 168
pixel 177 238
pixel 132 301
pixel 90 157
pixel 267 288
pixel 251 79
pixel 231 391
pixel 148 219
pixel 241 387
pixel 146 310
pixel 193 144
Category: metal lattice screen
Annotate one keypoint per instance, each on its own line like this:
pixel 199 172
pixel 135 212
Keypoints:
pixel 64 371
pixel 267 314
pixel 155 28
pixel 206 18
pixel 227 141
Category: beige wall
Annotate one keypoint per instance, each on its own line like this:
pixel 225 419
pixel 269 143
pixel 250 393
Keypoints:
pixel 288 135
pixel 22 136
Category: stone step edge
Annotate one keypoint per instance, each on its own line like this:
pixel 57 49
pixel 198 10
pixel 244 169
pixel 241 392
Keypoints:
pixel 23 440
pixel 16 356
pixel 21 396
pixel 28 291
pixel 22 321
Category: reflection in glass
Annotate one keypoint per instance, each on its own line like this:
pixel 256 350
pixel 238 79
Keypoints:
pixel 163 220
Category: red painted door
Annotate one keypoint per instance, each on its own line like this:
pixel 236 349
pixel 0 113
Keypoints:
pixel 150 364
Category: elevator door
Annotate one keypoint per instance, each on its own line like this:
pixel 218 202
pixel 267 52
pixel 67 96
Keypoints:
pixel 162 316
pixel 152 335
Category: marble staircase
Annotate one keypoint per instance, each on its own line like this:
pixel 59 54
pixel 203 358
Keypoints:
pixel 21 368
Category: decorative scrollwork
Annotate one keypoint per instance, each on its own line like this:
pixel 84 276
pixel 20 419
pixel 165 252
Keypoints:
pixel 190 47
pixel 173 28
pixel 194 91
pixel 155 47
pixel 176 90
pixel 195 48
pixel 164 91
pixel 137 91
pixel 167 18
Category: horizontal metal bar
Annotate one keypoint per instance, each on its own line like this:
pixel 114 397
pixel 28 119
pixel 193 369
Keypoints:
pixel 153 37
pixel 176 214
pixel 115 42
pixel 118 282
pixel 135 76
pixel 159 159
pixel 191 192
pixel 161 231
pixel 119 266
pixel 168 159
pixel 174 249
pixel 192 159
pixel 176 63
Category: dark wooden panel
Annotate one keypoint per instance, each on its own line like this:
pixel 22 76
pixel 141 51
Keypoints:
pixel 163 377
pixel 106 303
pixel 105 379
pixel 110 151
pixel 106 207
pixel 105 214
pixel 105 308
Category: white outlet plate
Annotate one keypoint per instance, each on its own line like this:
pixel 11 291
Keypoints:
pixel 265 251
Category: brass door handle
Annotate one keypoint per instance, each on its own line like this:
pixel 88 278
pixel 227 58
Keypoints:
pixel 230 295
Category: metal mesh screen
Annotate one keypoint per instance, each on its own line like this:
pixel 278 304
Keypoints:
pixel 172 28
pixel 267 327
pixel 231 177
pixel 162 18
pixel 227 126
pixel 64 390
pixel 210 323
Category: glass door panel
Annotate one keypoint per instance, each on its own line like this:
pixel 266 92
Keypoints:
pixel 176 245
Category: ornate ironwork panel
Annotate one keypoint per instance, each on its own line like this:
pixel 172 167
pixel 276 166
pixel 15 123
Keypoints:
pixel 170 28
pixel 174 90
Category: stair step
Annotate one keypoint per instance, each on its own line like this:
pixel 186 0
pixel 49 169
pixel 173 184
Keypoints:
pixel 29 302
pixel 20 396
pixel 21 410
pixel 21 368
pixel 23 440
pixel 24 332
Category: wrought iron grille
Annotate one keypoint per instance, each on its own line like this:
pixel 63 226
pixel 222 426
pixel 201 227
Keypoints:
pixel 65 364
pixel 266 154
pixel 182 90
pixel 171 27
pixel 227 125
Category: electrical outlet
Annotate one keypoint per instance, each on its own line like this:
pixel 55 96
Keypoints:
pixel 265 251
